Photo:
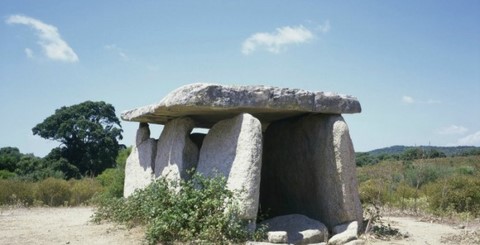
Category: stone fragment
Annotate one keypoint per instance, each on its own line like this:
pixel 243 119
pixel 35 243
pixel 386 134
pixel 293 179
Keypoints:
pixel 277 236
pixel 207 104
pixel 176 153
pixel 356 242
pixel 300 229
pixel 309 168
pixel 139 165
pixel 344 233
pixel 233 148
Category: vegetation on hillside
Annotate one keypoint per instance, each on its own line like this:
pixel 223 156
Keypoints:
pixel 442 186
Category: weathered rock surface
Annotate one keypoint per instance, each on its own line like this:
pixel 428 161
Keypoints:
pixel 233 148
pixel 139 165
pixel 207 104
pixel 344 233
pixel 309 168
pixel 277 236
pixel 300 229
pixel 176 153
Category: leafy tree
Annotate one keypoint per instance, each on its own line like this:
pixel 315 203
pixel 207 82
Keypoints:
pixel 89 133
pixel 9 156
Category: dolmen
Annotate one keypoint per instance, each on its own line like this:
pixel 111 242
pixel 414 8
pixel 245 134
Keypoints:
pixel 286 151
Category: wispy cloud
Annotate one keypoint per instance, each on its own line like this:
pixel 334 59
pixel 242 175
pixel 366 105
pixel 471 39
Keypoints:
pixel 410 100
pixel 29 53
pixel 50 40
pixel 407 99
pixel 119 51
pixel 471 139
pixel 277 41
pixel 325 27
pixel 452 129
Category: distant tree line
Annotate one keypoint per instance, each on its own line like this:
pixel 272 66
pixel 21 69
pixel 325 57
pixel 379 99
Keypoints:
pixel 88 134
pixel 410 154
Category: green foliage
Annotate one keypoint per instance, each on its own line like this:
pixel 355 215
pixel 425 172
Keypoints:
pixel 5 174
pixel 112 179
pixel 459 192
pixel 82 191
pixel 15 192
pixel 200 210
pixel 89 133
pixel 440 185
pixel 9 156
pixel 50 191
pixel 53 192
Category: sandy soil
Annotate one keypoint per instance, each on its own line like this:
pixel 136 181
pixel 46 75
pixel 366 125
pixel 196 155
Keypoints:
pixel 419 232
pixel 73 226
pixel 60 226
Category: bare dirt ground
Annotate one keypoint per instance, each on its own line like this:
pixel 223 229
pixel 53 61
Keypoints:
pixel 60 226
pixel 416 231
pixel 73 226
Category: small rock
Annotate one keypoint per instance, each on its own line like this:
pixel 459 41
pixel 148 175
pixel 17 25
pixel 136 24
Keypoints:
pixel 344 233
pixel 277 236
pixel 299 228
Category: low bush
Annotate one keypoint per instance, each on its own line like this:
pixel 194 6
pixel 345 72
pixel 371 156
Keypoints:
pixel 53 192
pixel 460 193
pixel 199 210
pixel 82 191
pixel 16 192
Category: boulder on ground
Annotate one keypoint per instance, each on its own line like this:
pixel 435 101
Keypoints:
pixel 344 233
pixel 300 229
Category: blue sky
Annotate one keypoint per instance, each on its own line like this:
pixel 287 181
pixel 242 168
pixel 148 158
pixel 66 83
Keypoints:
pixel 414 65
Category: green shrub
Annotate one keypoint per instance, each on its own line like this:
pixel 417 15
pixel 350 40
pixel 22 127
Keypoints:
pixel 460 193
pixel 112 180
pixel 83 190
pixel 199 210
pixel 53 192
pixel 5 174
pixel 15 192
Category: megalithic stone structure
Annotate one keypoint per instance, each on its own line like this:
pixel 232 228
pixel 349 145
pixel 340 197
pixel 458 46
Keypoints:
pixel 288 150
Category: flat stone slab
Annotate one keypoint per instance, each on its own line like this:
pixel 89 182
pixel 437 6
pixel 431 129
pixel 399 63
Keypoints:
pixel 207 104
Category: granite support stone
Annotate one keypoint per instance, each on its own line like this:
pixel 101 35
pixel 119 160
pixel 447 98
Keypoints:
pixel 139 165
pixel 233 148
pixel 176 152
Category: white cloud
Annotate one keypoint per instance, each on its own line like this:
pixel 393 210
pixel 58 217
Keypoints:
pixel 431 101
pixel 453 129
pixel 29 53
pixel 120 52
pixel 49 38
pixel 325 27
pixel 277 41
pixel 407 99
pixel 472 139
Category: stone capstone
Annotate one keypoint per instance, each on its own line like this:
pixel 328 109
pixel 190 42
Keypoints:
pixel 207 104
pixel 305 161
pixel 233 149
pixel 140 162
pixel 299 228
pixel 176 152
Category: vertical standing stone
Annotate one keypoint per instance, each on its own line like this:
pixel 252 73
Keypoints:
pixel 309 168
pixel 176 153
pixel 139 165
pixel 233 148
